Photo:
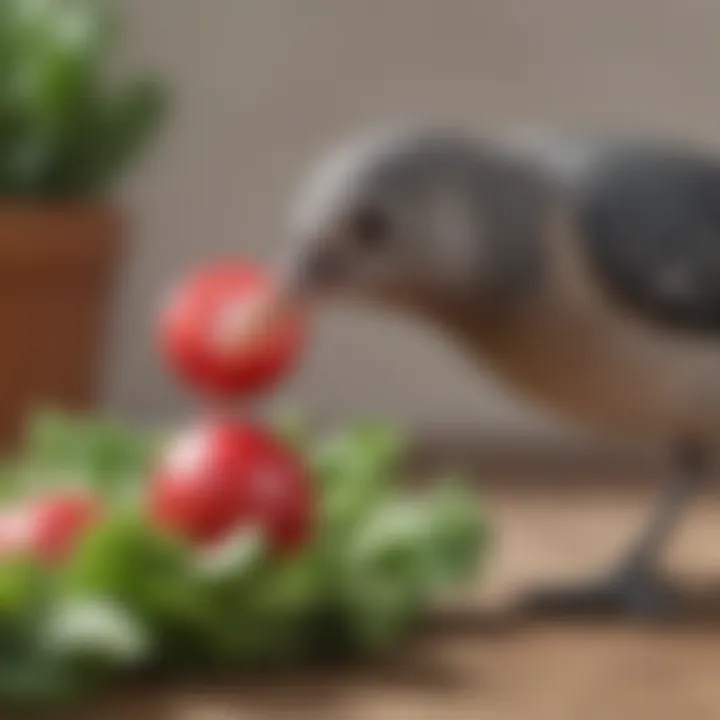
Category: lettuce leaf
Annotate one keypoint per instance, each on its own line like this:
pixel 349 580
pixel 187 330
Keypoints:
pixel 132 596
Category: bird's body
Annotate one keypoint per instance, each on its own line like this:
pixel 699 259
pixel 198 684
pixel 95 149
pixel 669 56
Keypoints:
pixel 585 275
pixel 575 355
pixel 622 344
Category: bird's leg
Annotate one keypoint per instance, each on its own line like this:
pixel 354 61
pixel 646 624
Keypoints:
pixel 634 586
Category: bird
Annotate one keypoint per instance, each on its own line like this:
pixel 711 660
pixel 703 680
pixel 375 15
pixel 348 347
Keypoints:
pixel 583 273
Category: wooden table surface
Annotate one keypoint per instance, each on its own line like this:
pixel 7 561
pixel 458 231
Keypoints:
pixel 485 662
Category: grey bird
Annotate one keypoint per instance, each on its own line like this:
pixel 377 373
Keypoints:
pixel 584 274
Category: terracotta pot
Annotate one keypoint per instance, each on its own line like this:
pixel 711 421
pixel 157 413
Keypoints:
pixel 58 264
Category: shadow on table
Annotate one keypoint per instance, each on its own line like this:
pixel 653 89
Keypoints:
pixel 698 607
pixel 440 662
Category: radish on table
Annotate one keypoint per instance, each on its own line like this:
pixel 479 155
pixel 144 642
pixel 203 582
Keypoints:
pixel 49 526
pixel 223 475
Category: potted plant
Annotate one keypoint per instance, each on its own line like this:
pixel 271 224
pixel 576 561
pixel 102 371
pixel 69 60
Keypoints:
pixel 69 127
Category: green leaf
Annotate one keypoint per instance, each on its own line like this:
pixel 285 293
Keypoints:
pixel 68 127
pixel 97 629
pixel 21 580
pixel 153 576
pixel 233 558
pixel 356 470
pixel 364 451
pixel 36 681
pixel 136 113
pixel 292 587
pixel 126 559
pixel 459 533
pixel 61 448
pixel 384 577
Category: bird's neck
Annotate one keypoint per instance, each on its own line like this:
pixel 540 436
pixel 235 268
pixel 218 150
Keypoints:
pixel 482 317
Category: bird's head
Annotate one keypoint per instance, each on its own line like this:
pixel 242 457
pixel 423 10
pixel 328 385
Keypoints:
pixel 394 219
pixel 424 221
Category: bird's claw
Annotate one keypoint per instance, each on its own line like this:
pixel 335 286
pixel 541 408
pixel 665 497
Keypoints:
pixel 635 595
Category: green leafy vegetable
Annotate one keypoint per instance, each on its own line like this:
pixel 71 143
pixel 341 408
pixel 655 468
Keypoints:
pixel 132 597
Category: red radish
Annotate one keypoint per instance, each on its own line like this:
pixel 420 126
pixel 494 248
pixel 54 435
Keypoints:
pixel 223 475
pixel 198 323
pixel 17 531
pixel 48 527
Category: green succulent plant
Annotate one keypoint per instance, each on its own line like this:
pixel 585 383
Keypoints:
pixel 69 126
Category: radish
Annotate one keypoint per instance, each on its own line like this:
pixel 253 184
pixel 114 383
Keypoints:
pixel 202 337
pixel 49 526
pixel 224 475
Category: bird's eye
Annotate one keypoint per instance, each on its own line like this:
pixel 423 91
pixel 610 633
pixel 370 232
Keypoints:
pixel 371 228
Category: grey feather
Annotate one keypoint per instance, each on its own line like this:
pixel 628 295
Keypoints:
pixel 651 223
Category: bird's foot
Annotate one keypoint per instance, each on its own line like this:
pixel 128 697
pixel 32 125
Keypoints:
pixel 628 593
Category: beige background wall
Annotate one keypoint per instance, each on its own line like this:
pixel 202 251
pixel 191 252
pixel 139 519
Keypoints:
pixel 262 85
